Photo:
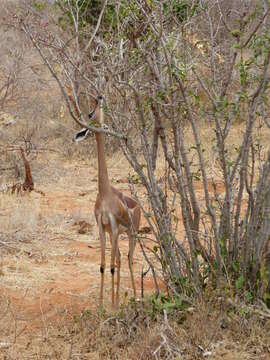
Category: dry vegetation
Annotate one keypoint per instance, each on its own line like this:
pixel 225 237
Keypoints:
pixel 49 280
pixel 49 246
pixel 214 329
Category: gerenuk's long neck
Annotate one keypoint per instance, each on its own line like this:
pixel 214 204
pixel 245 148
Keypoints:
pixel 103 178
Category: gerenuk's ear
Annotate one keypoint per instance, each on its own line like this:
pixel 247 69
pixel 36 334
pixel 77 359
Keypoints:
pixel 81 135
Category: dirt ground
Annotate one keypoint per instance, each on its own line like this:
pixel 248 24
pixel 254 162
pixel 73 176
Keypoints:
pixel 50 255
pixel 50 250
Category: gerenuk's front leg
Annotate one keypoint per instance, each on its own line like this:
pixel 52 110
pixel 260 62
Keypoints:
pixel 114 243
pixel 102 238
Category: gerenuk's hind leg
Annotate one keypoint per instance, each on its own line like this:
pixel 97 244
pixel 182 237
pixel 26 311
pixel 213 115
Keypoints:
pixel 118 264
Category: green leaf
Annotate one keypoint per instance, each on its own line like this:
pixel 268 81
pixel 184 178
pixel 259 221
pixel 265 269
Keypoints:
pixel 239 283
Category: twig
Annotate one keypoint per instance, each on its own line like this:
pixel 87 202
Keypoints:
pixel 256 28
pixel 143 274
pixel 160 346
pixel 56 77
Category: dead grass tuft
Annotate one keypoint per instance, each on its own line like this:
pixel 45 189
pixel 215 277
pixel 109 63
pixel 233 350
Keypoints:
pixel 136 332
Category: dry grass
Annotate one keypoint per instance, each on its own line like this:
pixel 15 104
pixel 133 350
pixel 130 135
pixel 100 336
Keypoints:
pixel 49 271
pixel 49 274
pixel 211 330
